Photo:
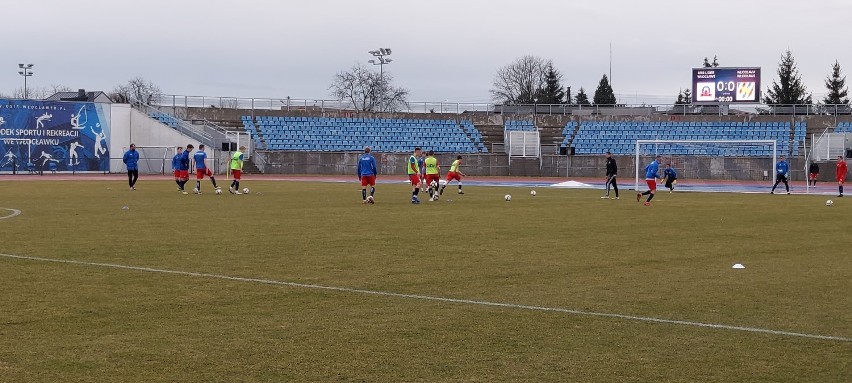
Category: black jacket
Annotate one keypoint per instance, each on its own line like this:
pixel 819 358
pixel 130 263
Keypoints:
pixel 814 168
pixel 611 167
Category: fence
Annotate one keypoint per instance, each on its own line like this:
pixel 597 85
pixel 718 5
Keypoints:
pixel 150 164
pixel 446 107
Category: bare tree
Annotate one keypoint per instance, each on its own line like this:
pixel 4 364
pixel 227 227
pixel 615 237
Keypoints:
pixel 136 89
pixel 56 88
pixel 33 92
pixel 369 91
pixel 521 81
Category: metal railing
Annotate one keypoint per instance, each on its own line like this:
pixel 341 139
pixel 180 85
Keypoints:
pixel 446 107
pixel 182 126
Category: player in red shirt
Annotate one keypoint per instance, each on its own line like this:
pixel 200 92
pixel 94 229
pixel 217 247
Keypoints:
pixel 840 174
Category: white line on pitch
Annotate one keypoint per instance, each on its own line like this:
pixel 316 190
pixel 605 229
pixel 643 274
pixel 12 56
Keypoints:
pixel 442 299
pixel 15 213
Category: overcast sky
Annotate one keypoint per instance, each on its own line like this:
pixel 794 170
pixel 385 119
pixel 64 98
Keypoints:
pixel 442 49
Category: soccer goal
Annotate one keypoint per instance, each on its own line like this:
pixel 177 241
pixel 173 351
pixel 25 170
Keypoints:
pixel 746 160
pixel 155 159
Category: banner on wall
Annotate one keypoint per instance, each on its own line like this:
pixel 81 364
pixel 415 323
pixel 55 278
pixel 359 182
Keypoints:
pixel 53 136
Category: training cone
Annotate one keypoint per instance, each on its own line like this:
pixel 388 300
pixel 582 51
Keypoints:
pixel 738 266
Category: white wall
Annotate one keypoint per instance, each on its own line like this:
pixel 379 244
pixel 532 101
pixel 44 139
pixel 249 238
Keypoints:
pixel 130 126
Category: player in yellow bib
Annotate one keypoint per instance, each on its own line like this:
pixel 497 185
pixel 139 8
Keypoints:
pixel 414 175
pixel 433 174
pixel 454 174
pixel 237 170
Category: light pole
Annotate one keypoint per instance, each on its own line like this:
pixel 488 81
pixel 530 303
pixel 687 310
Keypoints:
pixel 380 54
pixel 26 72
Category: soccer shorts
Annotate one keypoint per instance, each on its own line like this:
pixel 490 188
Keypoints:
pixel 781 178
pixel 414 179
pixel 237 174
pixel 177 173
pixel 841 180
pixel 368 180
pixel 183 174
pixel 453 176
pixel 200 173
pixel 652 184
pixel 433 177
pixel 813 176
pixel 671 182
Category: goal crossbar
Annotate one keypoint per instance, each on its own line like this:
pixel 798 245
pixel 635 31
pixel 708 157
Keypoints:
pixel 639 143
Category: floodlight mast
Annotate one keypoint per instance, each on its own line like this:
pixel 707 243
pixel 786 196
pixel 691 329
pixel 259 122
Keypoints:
pixel 26 72
pixel 380 54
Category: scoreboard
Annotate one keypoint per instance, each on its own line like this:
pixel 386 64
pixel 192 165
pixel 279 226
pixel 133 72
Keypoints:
pixel 726 85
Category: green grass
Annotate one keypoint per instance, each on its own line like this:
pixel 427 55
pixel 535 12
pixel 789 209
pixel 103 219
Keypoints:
pixel 562 248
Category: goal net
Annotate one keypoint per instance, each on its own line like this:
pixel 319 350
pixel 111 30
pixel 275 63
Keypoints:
pixel 742 160
pixel 155 159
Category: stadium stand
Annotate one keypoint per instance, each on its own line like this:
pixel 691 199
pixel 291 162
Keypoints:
pixel 521 125
pixel 165 119
pixel 843 127
pixel 620 137
pixel 353 134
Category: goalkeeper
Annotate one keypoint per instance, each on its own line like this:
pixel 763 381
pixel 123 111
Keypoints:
pixel 670 176
pixel 782 170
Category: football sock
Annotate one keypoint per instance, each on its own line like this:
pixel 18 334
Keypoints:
pixel 372 191
pixel 650 197
pixel 841 189
pixel 646 192
pixel 177 182
pixel 237 185
pixel 198 185
pixel 213 180
pixel 364 194
pixel 441 192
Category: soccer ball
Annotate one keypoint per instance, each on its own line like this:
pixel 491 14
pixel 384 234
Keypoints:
pixel 434 185
pixel 829 203
pixel 370 199
pixel 218 191
pixel 532 193
pixel 245 190
pixel 507 198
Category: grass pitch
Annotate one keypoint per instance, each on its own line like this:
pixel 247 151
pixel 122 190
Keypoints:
pixel 561 249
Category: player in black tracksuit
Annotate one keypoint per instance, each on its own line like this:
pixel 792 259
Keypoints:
pixel 611 173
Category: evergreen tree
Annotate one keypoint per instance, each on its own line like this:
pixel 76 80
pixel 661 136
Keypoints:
pixel 680 100
pixel 789 88
pixel 552 92
pixel 604 94
pixel 836 85
pixel 582 98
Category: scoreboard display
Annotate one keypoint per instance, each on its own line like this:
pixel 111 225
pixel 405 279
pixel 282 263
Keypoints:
pixel 726 85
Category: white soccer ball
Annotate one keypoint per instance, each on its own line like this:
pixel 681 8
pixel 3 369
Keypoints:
pixel 829 203
pixel 245 190
pixel 507 198
pixel 370 199
pixel 218 191
pixel 532 193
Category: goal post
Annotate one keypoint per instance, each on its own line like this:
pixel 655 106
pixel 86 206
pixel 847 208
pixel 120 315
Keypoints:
pixel 746 150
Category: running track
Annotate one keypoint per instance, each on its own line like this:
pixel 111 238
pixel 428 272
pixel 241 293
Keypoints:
pixel 541 182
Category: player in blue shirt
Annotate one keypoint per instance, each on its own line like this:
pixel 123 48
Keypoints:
pixel 782 171
pixel 131 161
pixel 651 179
pixel 670 175
pixel 201 169
pixel 183 168
pixel 176 165
pixel 367 175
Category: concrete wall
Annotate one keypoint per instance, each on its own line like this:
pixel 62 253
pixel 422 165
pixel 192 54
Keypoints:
pixel 128 125
pixel 705 168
